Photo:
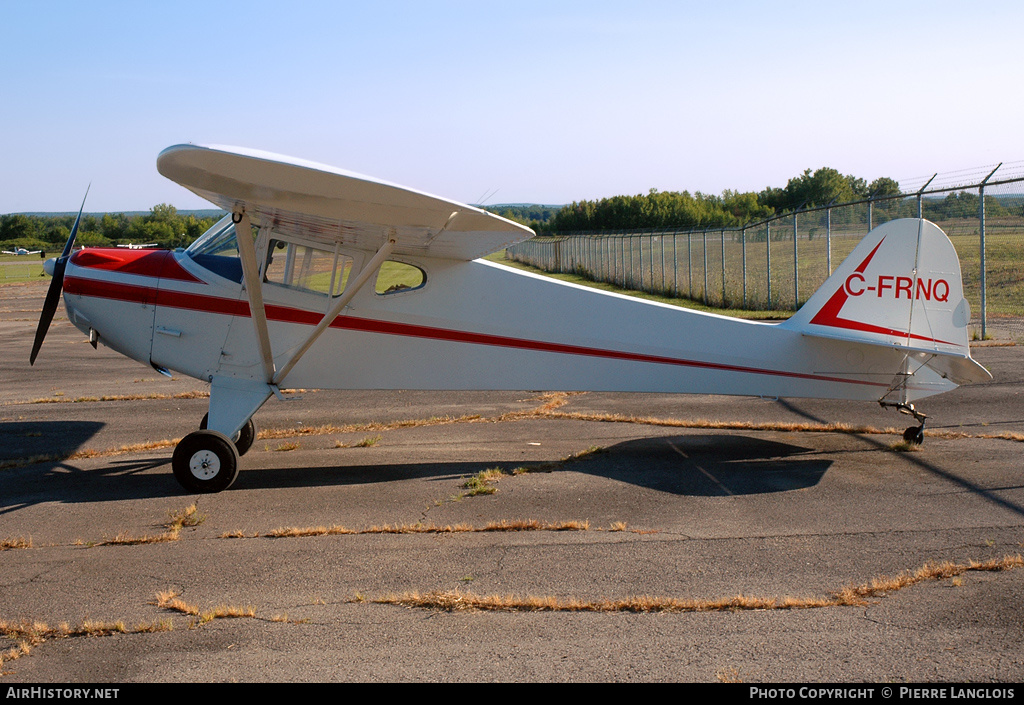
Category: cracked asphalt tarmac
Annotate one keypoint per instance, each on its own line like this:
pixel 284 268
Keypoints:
pixel 696 498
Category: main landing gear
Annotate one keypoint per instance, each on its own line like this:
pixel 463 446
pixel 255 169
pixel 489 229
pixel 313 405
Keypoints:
pixel 914 434
pixel 206 461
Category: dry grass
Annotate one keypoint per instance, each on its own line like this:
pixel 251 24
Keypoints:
pixel 59 398
pixel 367 442
pixel 186 517
pixel 15 543
pixel 729 675
pixel 177 520
pixel 88 453
pixel 26 634
pixel 483 482
pixel 847 596
pixel 31 633
pixel 169 600
pixel 495 526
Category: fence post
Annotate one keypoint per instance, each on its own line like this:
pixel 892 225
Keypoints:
pixel 828 239
pixel 981 231
pixel 689 262
pixel 675 264
pixel 663 263
pixel 705 240
pixel 796 267
pixel 723 268
pixel 641 262
pixel 743 244
pixel 622 269
pixel 768 259
pixel 920 196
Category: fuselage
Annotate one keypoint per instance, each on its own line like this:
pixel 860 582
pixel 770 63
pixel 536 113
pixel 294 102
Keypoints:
pixel 469 325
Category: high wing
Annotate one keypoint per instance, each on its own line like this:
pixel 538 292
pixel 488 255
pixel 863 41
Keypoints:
pixel 333 206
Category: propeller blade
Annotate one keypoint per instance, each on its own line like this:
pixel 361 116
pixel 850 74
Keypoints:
pixel 56 286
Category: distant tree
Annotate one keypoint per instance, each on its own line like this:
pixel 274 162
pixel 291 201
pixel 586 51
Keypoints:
pixel 17 226
pixel 883 187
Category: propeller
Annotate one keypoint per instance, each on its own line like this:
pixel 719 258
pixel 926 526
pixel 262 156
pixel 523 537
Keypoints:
pixel 56 286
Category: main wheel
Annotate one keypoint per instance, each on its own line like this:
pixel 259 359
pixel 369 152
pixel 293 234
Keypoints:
pixel 243 439
pixel 205 461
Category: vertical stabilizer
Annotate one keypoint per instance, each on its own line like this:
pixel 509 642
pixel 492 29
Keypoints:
pixel 901 288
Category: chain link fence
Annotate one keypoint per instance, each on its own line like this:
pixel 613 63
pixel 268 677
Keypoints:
pixel 776 264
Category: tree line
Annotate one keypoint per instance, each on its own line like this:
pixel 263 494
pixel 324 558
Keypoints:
pixel 680 209
pixel 656 209
pixel 163 225
pixel 811 189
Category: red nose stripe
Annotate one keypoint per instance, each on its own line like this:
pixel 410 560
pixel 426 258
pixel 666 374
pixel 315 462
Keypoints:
pixel 145 263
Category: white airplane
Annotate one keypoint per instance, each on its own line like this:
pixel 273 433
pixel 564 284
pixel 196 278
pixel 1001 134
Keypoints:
pixel 133 246
pixel 21 251
pixel 321 278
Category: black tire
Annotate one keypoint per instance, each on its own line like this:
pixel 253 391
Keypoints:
pixel 205 462
pixel 914 434
pixel 243 440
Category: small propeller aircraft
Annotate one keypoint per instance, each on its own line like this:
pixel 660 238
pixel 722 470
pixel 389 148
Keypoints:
pixel 322 278
pixel 22 251
pixel 134 246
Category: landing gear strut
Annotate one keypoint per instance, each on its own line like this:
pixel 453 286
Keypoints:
pixel 914 434
pixel 243 439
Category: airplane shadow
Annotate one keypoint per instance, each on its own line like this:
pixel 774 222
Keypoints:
pixel 27 439
pixel 711 465
pixel 705 465
pixel 700 465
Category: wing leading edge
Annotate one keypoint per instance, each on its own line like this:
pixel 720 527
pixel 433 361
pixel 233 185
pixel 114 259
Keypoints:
pixel 331 205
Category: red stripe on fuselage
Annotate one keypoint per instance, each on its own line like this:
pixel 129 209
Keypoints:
pixel 240 307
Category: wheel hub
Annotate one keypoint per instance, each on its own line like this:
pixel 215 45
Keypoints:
pixel 204 464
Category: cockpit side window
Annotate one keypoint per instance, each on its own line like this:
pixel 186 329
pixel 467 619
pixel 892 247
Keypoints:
pixel 297 266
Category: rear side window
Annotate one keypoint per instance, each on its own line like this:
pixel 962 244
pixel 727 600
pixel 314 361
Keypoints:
pixel 395 277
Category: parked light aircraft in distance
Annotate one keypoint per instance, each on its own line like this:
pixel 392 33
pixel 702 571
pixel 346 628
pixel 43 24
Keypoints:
pixel 321 278
pixel 22 251
pixel 133 246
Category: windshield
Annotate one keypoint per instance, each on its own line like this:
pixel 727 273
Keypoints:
pixel 217 250
pixel 218 240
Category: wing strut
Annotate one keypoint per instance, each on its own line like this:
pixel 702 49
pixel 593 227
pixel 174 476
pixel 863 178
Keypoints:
pixel 253 288
pixel 368 271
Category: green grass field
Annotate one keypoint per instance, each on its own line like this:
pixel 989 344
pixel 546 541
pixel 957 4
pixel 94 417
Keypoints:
pixel 23 268
pixel 692 266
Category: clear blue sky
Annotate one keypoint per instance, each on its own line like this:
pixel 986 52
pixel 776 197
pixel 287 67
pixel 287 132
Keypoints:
pixel 534 101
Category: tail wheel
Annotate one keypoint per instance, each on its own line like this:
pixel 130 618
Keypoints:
pixel 205 462
pixel 243 439
pixel 914 434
